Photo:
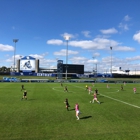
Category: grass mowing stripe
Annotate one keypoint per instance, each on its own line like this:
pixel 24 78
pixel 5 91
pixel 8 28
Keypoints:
pixel 115 99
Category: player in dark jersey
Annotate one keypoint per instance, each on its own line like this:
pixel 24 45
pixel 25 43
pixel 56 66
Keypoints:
pixel 24 95
pixel 22 87
pixel 67 104
pixel 66 89
pixel 121 87
pixel 61 84
pixel 96 91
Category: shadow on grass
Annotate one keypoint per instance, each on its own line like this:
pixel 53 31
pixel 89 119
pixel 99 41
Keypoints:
pixel 86 117
pixel 72 109
pixel 31 99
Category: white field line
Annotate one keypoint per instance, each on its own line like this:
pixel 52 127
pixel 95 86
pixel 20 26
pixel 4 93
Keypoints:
pixel 55 88
pixel 120 101
pixel 115 99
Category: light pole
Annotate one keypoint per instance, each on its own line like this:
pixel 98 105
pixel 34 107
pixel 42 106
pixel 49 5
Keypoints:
pixel 67 39
pixel 111 60
pixel 95 71
pixel 15 41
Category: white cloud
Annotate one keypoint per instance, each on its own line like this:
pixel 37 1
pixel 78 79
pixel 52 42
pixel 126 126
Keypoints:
pixel 63 52
pixel 127 18
pixel 47 63
pixel 84 44
pixel 86 33
pixel 37 56
pixel 135 58
pixel 55 42
pixel 124 48
pixel 124 63
pixel 109 31
pixel 95 44
pixel 7 55
pixel 79 60
pixel 92 61
pixel 88 63
pixel 136 37
pixel 11 59
pixel 96 54
pixel 46 53
pixel 6 48
pixel 124 26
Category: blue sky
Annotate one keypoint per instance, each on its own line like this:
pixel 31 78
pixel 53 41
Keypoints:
pixel 92 25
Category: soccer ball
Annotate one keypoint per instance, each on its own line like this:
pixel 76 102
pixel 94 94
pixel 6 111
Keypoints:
pixel 90 101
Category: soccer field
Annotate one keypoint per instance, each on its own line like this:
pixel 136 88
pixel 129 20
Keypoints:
pixel 43 115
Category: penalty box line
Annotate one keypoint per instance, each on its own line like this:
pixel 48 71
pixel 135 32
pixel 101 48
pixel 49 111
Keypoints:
pixel 114 99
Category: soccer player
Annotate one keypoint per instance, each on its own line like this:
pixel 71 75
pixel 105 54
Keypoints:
pixel 77 110
pixel 89 90
pixel 67 104
pixel 95 99
pixel 24 95
pixel 134 89
pixel 93 84
pixel 66 89
pixel 61 84
pixel 22 87
pixel 107 86
pixel 96 91
pixel 86 87
pixel 124 83
pixel 121 87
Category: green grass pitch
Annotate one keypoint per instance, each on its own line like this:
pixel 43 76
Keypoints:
pixel 43 115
